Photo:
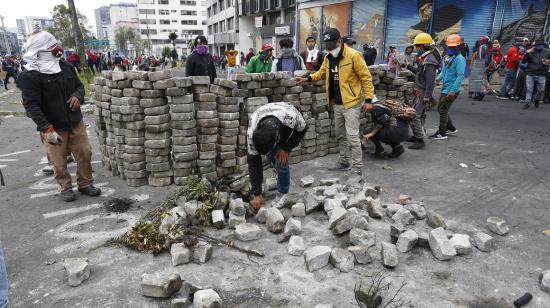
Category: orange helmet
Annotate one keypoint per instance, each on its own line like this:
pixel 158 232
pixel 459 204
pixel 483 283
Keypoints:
pixel 453 40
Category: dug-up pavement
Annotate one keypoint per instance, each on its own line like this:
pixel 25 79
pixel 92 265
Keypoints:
pixel 503 174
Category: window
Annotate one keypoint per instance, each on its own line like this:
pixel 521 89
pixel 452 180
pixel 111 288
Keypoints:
pixel 277 3
pixel 163 2
pixel 189 22
pixel 230 22
pixel 264 4
pixel 174 21
pixel 164 21
pixel 215 9
pixel 147 11
pixel 151 31
pixel 189 13
pixel 188 2
pixel 203 22
pixel 164 12
pixel 222 26
pixel 208 12
pixel 215 28
pixel 148 21
pixel 210 30
pixel 174 11
pixel 274 18
pixel 291 2
pixel 221 5
pixel 229 3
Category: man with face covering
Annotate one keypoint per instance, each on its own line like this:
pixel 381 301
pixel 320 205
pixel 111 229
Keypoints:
pixel 535 62
pixel 200 62
pixel 52 94
pixel 347 80
pixel 288 60
pixel 263 62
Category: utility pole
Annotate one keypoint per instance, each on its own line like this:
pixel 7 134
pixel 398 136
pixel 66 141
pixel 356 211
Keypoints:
pixel 6 41
pixel 78 38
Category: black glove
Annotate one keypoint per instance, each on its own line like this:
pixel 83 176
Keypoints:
pixel 368 100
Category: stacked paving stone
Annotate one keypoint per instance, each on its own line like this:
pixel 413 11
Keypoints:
pixel 158 132
pixel 184 129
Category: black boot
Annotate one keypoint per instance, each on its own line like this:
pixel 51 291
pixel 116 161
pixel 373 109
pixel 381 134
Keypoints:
pixel 418 145
pixel 397 151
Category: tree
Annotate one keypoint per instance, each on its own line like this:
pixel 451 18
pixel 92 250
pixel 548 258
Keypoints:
pixel 62 25
pixel 166 51
pixel 174 56
pixel 78 38
pixel 125 34
pixel 173 37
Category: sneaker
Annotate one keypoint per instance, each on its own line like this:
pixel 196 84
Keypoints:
pixel 90 190
pixel 68 195
pixel 418 145
pixel 502 97
pixel 70 159
pixel 451 132
pixel 525 106
pixel 379 155
pixel 279 201
pixel 340 167
pixel 438 136
pixel 397 151
pixel 48 170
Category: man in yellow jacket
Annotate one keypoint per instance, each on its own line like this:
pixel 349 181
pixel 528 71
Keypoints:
pixel 348 80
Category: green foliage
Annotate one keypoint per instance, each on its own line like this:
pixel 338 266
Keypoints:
pixel 201 190
pixel 62 28
pixel 86 77
pixel 125 34
pixel 174 54
pixel 173 37
pixel 166 51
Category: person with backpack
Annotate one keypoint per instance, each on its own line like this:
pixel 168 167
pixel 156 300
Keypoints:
pixel 390 126
pixel 288 60
pixel 263 62
pixel 424 84
pixel 452 75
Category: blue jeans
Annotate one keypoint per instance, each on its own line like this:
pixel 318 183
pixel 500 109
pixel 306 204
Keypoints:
pixel 508 79
pixel 3 281
pixel 534 82
pixel 283 175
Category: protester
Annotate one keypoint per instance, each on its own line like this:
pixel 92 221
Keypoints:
pixel 519 89
pixel 312 57
pixel 9 65
pixel 262 62
pixel 249 55
pixel 288 60
pixel 347 81
pixel 535 62
pixel 56 112
pixel 91 58
pixel 407 60
pixel 275 129
pixel 494 60
pixel 370 54
pixel 74 59
pixel 231 57
pixel 391 58
pixel 389 127
pixel 200 62
pixel 452 75
pixel 242 60
pixel 513 57
pixel 479 85
pixel 424 84
pixel 348 40
pixel 3 280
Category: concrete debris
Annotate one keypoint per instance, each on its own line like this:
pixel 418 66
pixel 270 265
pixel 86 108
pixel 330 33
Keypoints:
pixel 292 227
pixel 342 259
pixel 207 299
pixel 342 198
pixel 395 231
pixel 423 240
pixel 406 241
pixel 440 245
pixel 391 209
pixel 350 221
pixel 498 225
pixel 435 220
pixel 317 257
pixel 324 306
pixel 176 215
pixel 260 216
pixel 337 214
pixel 298 210
pixel 274 220
pixel 544 280
pixel 361 254
pixel 296 246
pixel 218 219
pixel 330 192
pixel 180 302
pixel 248 232
pixel 461 242
pixel 404 199
pixel 358 200
pixel 484 242
pixel 330 204
pixel 180 254
pixel 360 237
pixel 307 181
pixel 374 208
pixel 235 220
pixel 418 211
pixel 329 181
pixel 160 285
pixel 403 216
pixel 389 255
pixel 77 269
pixel 202 252
pixel 270 184
pixel 312 202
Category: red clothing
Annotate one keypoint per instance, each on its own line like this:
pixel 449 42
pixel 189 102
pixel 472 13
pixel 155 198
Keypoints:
pixel 513 57
pixel 497 56
pixel 91 56
pixel 73 58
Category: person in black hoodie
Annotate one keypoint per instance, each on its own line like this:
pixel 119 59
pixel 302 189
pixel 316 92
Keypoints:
pixel 275 129
pixel 51 94
pixel 387 128
pixel 200 63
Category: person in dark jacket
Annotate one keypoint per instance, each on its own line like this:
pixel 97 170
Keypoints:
pixel 313 57
pixel 535 62
pixel 274 130
pixel 200 62
pixel 370 54
pixel 52 94
pixel 9 65
pixel 388 129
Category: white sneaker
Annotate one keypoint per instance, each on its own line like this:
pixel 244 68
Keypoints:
pixel 48 170
pixel 279 201
pixel 452 132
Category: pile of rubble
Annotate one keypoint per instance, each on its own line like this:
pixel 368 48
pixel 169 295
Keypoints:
pixel 157 129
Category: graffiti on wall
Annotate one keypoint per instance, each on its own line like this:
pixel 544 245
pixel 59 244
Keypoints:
pixel 368 23
pixel 337 16
pixel 524 18
pixel 310 24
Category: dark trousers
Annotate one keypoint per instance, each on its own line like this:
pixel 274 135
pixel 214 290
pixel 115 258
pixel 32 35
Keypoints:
pixel 445 122
pixel 391 135
pixel 8 75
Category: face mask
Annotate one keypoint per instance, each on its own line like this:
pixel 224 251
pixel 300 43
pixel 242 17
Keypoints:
pixel 202 49
pixel 264 55
pixel 335 52
pixel 451 51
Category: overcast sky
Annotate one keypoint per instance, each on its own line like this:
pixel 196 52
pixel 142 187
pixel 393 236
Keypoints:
pixel 21 8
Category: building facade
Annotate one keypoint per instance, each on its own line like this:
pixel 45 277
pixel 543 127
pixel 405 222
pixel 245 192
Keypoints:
pixel 35 22
pixel 222 25
pixel 159 18
pixel 121 14
pixel 102 20
pixel 11 40
pixel 21 31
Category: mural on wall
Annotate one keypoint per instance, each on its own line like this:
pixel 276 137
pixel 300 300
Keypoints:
pixel 310 25
pixel 368 23
pixel 524 18
pixel 406 19
pixel 337 16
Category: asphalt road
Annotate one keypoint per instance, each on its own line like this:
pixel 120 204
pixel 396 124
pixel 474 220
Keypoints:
pixel 506 151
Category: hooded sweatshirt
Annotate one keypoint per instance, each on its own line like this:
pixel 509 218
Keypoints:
pixel 426 73
pixel 288 54
pixel 452 73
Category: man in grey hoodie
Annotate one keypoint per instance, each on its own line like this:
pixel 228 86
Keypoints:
pixel 424 84
pixel 288 60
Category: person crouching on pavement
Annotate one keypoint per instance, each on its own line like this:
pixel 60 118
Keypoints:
pixel 274 130
pixel 388 128
pixel 452 75
pixel 347 79
pixel 52 94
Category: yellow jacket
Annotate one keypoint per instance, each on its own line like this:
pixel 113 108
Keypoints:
pixel 355 77
pixel 231 57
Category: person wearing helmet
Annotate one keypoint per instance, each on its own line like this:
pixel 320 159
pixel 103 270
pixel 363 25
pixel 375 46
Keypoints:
pixel 274 130
pixel 200 62
pixel 424 85
pixel 262 62
pixel 451 76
